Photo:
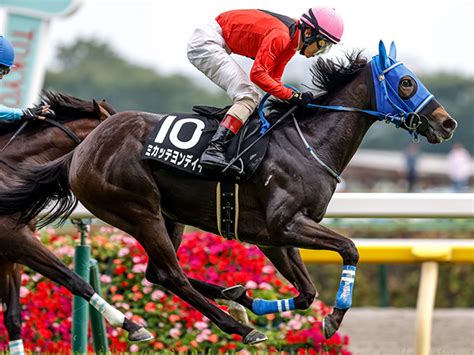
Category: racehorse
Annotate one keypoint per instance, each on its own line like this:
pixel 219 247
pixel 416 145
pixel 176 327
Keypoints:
pixel 280 206
pixel 40 142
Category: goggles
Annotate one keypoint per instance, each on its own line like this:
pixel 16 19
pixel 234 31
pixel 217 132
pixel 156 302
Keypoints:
pixel 323 45
pixel 4 70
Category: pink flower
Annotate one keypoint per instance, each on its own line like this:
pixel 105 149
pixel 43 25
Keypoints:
pixel 265 286
pixel 251 284
pixel 24 291
pixel 106 279
pixel 123 251
pixel 295 324
pixel 200 325
pixel 134 348
pixel 268 269
pixel 175 333
pixel 139 268
pixel 158 294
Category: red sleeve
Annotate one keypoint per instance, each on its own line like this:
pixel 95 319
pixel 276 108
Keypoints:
pixel 268 60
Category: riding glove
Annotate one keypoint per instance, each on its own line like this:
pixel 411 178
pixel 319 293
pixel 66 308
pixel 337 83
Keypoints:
pixel 301 98
pixel 35 113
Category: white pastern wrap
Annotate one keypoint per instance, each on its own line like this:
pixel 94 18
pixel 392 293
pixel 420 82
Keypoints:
pixel 16 347
pixel 113 315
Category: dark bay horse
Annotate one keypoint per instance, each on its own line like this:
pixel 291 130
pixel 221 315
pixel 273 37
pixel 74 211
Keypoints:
pixel 280 206
pixel 39 143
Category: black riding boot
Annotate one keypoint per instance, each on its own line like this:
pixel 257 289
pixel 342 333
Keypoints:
pixel 214 155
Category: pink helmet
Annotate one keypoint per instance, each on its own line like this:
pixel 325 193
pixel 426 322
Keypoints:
pixel 325 21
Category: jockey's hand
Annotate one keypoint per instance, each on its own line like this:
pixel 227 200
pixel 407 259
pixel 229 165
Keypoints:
pixel 37 113
pixel 301 98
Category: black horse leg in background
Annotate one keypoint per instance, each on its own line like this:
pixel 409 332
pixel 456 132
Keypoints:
pixel 10 279
pixel 208 290
pixel 289 263
pixel 151 233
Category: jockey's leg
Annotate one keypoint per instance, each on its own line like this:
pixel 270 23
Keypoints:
pixel 214 155
pixel 209 53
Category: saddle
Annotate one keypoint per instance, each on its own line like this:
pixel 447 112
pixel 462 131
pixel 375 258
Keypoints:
pixel 179 139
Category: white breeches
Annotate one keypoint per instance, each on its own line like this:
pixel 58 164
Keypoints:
pixel 208 52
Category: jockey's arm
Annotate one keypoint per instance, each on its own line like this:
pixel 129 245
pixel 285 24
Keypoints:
pixel 269 65
pixel 10 114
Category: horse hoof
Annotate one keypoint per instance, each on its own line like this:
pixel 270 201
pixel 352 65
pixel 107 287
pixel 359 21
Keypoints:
pixel 330 326
pixel 234 292
pixel 140 335
pixel 254 337
pixel 238 312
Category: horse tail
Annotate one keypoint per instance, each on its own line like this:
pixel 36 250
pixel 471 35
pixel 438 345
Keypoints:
pixel 40 187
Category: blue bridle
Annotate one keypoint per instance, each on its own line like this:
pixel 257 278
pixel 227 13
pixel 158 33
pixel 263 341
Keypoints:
pixel 390 107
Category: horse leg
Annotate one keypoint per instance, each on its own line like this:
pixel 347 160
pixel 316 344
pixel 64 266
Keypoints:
pixel 150 230
pixel 289 263
pixel 208 290
pixel 303 232
pixel 37 257
pixel 10 280
pixel 214 292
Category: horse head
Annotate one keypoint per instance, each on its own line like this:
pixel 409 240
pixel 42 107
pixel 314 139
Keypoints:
pixel 400 93
pixel 32 140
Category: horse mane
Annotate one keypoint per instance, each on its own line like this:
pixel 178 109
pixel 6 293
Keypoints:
pixel 329 75
pixel 66 107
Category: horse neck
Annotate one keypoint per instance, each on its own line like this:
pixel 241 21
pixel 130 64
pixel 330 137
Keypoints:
pixel 336 135
pixel 42 143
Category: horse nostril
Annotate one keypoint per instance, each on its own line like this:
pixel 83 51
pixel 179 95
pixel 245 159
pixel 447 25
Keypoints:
pixel 449 124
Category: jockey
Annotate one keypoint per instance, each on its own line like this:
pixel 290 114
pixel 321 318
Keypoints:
pixel 270 40
pixel 7 56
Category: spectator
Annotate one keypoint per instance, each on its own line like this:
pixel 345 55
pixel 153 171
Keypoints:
pixel 459 167
pixel 411 161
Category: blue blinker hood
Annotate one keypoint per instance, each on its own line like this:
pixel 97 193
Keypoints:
pixel 386 74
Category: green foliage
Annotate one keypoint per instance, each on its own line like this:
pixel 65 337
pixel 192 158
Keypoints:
pixel 91 69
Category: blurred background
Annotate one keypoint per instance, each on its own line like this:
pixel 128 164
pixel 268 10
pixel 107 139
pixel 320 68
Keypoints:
pixel 133 53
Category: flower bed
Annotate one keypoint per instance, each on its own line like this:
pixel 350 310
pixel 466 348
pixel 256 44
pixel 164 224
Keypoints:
pixel 176 325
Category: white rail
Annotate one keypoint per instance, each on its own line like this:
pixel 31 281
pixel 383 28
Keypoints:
pixel 387 205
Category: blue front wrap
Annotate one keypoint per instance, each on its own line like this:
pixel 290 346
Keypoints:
pixel 344 294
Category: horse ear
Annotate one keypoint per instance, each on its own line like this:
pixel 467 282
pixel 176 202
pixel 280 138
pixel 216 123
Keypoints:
pixel 102 112
pixel 384 62
pixel 393 52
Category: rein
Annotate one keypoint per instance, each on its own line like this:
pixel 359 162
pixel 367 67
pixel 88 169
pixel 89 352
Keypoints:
pixel 66 130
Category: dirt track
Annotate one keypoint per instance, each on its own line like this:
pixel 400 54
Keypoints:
pixel 376 331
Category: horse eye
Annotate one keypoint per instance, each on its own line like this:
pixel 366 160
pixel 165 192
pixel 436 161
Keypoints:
pixel 406 83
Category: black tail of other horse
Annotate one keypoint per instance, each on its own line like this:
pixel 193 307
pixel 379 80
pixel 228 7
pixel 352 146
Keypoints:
pixel 38 188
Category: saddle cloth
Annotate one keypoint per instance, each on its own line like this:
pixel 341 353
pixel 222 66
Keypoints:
pixel 179 139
